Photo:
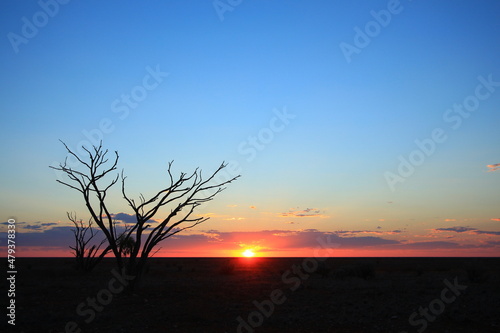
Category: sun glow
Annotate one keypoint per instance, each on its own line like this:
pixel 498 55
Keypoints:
pixel 248 253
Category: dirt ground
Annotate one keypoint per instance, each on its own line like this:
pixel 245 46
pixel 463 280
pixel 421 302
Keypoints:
pixel 260 295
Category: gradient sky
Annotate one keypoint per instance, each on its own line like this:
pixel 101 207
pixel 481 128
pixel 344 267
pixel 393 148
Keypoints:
pixel 368 123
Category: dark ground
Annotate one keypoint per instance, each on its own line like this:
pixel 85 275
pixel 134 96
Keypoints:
pixel 209 294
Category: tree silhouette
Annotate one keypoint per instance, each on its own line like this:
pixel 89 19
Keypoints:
pixel 183 195
pixel 86 257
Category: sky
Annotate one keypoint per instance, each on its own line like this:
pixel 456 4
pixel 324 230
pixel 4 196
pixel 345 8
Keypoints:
pixel 360 128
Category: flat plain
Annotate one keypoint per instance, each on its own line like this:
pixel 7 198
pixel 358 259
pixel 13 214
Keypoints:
pixel 261 295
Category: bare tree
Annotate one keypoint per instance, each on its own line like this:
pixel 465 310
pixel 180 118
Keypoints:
pixel 86 257
pixel 183 195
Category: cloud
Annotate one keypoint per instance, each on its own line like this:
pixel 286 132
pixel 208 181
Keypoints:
pixel 276 241
pixel 55 237
pixel 293 240
pixel 128 218
pixel 449 220
pixel 252 207
pixel 49 224
pixel 482 232
pixel 124 217
pixel 33 227
pixel 308 212
pixel 493 167
pixel 284 240
pixel 266 240
pixel 369 232
pixel 17 223
pixel 432 245
pixel 472 230
pixel 455 229
pixel 495 219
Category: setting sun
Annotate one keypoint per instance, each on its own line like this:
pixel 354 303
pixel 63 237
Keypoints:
pixel 248 253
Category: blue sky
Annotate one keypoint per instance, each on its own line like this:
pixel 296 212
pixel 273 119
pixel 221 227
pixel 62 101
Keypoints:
pixel 349 121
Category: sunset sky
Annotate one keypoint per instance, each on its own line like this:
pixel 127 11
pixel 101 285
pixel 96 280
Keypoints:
pixel 372 126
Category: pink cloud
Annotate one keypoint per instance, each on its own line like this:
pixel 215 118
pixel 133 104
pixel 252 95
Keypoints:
pixel 493 167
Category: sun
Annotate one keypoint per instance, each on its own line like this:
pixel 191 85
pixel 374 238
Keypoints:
pixel 248 253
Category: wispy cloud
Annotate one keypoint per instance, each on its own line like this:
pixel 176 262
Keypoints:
pixel 378 232
pixel 493 167
pixel 482 232
pixel 455 229
pixel 432 245
pixel 308 212
pixel 495 219
pixel 470 230
pixel 33 227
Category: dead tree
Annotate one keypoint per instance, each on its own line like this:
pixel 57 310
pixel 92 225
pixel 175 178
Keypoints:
pixel 86 257
pixel 183 195
pixel 89 183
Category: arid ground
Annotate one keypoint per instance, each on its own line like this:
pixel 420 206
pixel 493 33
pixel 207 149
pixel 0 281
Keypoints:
pixel 261 295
